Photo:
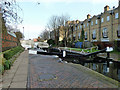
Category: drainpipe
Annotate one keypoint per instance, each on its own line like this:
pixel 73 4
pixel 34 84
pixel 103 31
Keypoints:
pixel 89 30
pixel 112 13
pixel 99 19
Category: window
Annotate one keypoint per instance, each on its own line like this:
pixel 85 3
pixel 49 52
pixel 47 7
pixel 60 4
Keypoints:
pixel 105 33
pixel 87 24
pixel 94 34
pixel 74 37
pixel 80 26
pixel 96 22
pixel 108 18
pixel 102 20
pixel 85 35
pixel 118 33
pixel 92 23
pixel 79 36
pixel 116 15
pixel 84 25
pixel 75 27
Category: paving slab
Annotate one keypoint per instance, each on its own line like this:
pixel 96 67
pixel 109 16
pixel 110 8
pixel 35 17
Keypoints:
pixel 68 75
pixel 16 77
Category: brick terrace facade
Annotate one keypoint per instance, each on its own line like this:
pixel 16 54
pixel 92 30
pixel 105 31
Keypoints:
pixel 102 29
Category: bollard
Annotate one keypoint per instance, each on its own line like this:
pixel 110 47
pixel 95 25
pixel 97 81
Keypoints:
pixel 64 53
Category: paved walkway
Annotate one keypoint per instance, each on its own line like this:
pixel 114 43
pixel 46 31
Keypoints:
pixel 16 77
pixel 46 72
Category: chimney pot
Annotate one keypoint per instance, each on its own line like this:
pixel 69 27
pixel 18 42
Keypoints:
pixel 106 8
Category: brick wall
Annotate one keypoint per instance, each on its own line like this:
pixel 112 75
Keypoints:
pixel 8 41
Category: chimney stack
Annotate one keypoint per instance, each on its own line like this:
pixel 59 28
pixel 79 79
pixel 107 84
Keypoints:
pixel 106 8
pixel 88 16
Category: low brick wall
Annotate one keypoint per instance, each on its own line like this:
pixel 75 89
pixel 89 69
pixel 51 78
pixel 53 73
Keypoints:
pixel 8 41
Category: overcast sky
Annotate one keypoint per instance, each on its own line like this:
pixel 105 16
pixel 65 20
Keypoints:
pixel 36 16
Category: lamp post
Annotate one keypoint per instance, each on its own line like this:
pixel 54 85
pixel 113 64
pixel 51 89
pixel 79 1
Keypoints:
pixel 23 31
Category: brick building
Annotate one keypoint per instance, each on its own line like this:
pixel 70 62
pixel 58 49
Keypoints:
pixel 102 29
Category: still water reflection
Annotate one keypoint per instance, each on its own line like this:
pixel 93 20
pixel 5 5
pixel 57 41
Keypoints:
pixel 110 69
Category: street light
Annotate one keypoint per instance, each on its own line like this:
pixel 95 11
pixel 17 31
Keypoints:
pixel 23 31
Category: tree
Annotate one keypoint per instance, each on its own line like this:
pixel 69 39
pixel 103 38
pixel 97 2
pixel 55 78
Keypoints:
pixel 19 35
pixel 82 35
pixel 51 42
pixel 10 16
pixel 54 24
pixel 45 35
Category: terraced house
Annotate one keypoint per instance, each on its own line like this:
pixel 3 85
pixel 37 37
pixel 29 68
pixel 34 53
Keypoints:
pixel 102 29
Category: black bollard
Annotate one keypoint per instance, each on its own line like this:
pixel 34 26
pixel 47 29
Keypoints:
pixel 108 54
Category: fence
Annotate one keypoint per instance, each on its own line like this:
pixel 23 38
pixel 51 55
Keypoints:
pixel 8 41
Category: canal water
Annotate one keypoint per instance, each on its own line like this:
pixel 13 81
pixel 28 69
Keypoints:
pixel 110 69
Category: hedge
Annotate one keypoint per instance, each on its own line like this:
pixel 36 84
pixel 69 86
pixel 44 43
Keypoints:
pixel 10 53
pixel 8 60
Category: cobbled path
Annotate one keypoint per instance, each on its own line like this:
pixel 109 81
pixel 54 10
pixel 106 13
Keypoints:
pixel 65 74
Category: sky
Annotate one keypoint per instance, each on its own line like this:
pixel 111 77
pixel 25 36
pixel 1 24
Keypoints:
pixel 36 16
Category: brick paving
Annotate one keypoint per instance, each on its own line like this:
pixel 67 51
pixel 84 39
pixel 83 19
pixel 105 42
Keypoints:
pixel 67 75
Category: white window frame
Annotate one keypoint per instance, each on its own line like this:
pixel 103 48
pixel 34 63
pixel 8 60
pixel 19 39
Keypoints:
pixel 116 15
pixel 94 34
pixel 92 23
pixel 105 33
pixel 108 18
pixel 102 20
pixel 96 21
pixel 80 26
pixel 84 25
pixel 79 36
pixel 86 34
pixel 87 24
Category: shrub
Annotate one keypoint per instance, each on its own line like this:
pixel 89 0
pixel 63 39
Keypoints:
pixel 1 69
pixel 7 65
pixel 10 53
